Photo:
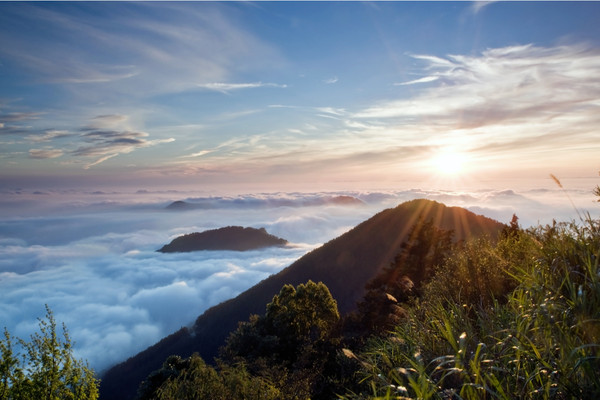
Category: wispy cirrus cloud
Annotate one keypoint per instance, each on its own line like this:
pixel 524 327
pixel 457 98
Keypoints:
pixel 498 105
pixel 502 84
pixel 109 119
pixel 224 87
pixel 198 154
pixel 45 153
pixel 109 135
pixel 19 116
pixel 425 79
pixel 148 48
pixel 479 5
pixel 13 123
pixel 49 135
pixel 104 137
pixel 107 144
pixel 515 98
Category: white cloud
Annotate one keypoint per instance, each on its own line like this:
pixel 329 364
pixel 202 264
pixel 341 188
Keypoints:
pixel 45 153
pixel 229 87
pixel 331 110
pixel 503 84
pixel 49 135
pixel 424 79
pixel 19 116
pixel 108 120
pixel 94 262
pixel 505 102
pixel 142 44
pixel 92 259
pixel 479 5
pixel 198 153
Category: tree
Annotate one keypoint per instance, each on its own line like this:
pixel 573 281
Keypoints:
pixel 195 380
pixel 44 368
pixel 303 315
pixel 171 369
pixel 292 343
pixel 513 230
pixel 295 318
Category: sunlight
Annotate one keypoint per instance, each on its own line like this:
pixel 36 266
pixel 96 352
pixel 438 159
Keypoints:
pixel 449 163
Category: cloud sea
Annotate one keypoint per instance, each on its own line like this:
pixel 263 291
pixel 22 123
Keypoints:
pixel 91 256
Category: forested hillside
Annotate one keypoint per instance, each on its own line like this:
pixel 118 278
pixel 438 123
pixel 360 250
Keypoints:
pixel 507 319
pixel 344 265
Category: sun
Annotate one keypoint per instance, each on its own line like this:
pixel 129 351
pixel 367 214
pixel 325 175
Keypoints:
pixel 449 163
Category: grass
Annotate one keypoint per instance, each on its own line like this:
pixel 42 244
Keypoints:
pixel 515 319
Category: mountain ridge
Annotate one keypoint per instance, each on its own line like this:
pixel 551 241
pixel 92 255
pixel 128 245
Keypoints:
pixel 345 264
pixel 254 203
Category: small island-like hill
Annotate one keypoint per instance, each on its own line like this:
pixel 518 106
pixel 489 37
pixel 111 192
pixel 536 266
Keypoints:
pixel 235 238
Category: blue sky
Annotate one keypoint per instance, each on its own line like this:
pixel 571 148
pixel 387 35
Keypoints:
pixel 295 95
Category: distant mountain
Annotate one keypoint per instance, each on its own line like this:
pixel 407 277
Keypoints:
pixel 211 203
pixel 344 264
pixel 180 205
pixel 229 238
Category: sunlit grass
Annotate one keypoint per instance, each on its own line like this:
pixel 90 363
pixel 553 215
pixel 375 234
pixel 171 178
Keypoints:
pixel 516 319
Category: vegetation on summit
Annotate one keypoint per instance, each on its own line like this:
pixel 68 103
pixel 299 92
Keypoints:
pixel 515 317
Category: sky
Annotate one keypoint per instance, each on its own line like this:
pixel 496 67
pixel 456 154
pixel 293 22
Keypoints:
pixel 261 112
pixel 298 95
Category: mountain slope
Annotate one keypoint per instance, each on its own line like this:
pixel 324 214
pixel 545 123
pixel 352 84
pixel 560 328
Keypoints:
pixel 344 264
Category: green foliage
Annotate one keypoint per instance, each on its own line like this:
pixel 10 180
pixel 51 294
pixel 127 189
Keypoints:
pixel 297 319
pixel 198 381
pixel 481 272
pixel 283 354
pixel 305 314
pixel 171 368
pixel 516 319
pixel 291 343
pixel 44 368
